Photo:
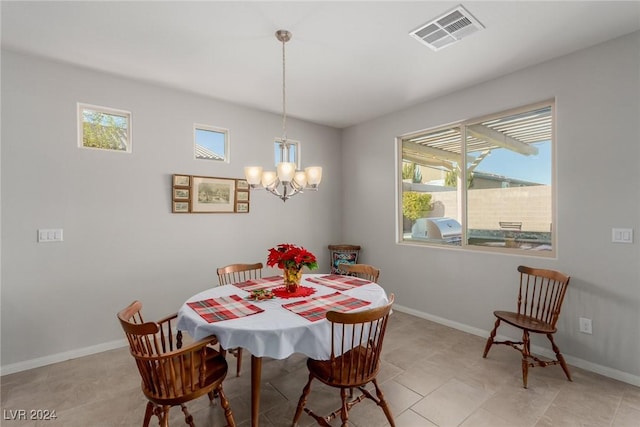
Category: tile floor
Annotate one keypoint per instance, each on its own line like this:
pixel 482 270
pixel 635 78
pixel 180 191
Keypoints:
pixel 432 375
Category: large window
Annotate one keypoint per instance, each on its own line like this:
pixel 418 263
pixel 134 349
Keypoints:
pixel 485 183
pixel 104 128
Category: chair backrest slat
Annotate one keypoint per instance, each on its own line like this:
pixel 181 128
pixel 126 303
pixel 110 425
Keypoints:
pixel 356 343
pixel 541 293
pixel 235 273
pixel 363 271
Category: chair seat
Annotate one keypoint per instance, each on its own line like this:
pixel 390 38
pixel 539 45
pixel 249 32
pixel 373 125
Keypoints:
pixel 216 371
pixel 525 322
pixel 353 374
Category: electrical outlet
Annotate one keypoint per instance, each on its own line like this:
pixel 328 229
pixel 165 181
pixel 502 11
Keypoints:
pixel 585 326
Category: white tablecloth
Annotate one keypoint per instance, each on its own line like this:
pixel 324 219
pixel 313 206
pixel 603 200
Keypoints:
pixel 276 332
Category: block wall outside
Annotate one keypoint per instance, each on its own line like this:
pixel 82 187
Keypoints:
pixel 487 207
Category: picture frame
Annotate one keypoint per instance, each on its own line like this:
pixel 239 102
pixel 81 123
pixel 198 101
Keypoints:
pixel 242 184
pixel 242 207
pixel 181 180
pixel 180 207
pixel 212 195
pixel 181 194
pixel 242 196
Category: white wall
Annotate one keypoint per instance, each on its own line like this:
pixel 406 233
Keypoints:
pixel 597 95
pixel 121 241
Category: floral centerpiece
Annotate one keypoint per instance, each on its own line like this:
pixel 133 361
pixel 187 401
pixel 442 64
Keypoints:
pixel 291 258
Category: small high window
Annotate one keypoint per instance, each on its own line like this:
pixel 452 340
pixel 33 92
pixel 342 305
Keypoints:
pixel 211 143
pixel 104 128
pixel 288 151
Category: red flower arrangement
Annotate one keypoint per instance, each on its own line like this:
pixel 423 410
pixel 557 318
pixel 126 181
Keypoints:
pixel 287 256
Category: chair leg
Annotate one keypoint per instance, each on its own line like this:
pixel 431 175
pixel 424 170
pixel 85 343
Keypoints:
pixel 188 418
pixel 560 358
pixel 383 404
pixel 344 409
pixel 147 415
pixel 224 402
pixel 525 357
pixel 490 339
pixel 164 416
pixel 239 361
pixel 302 401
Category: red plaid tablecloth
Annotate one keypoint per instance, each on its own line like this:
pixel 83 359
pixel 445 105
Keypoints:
pixel 339 282
pixel 224 308
pixel 259 284
pixel 315 308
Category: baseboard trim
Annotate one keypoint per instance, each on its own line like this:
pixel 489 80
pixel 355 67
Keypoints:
pixel 571 360
pixel 61 357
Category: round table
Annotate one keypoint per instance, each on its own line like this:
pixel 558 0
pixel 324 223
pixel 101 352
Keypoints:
pixel 276 332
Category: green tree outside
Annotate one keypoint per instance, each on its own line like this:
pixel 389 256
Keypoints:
pixel 102 130
pixel 415 205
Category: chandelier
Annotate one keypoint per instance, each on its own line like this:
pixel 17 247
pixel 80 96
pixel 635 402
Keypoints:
pixel 286 181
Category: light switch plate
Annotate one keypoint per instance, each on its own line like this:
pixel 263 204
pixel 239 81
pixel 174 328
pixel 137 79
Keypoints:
pixel 622 235
pixel 48 235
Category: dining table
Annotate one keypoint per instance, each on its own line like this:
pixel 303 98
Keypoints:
pixel 279 326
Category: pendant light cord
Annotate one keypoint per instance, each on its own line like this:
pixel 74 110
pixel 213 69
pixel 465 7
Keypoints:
pixel 284 99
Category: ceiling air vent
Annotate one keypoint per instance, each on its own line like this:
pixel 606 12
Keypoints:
pixel 447 29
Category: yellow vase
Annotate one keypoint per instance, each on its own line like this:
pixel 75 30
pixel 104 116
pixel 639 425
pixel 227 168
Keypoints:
pixel 292 277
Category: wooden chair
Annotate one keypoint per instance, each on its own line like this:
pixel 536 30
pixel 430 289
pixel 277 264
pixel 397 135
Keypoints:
pixel 356 344
pixel 540 298
pixel 171 375
pixel 235 273
pixel 363 271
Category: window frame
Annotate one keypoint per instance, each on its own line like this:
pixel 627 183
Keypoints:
pixel 462 193
pixel 209 128
pixel 81 106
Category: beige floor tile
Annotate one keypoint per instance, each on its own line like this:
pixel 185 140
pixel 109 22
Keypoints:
pixel 451 404
pixel 412 419
pixel 483 418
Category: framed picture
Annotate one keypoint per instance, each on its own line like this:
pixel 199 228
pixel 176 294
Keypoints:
pixel 181 207
pixel 242 196
pixel 242 207
pixel 181 180
pixel 180 194
pixel 242 184
pixel 211 195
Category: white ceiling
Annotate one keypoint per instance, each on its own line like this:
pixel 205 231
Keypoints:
pixel 347 62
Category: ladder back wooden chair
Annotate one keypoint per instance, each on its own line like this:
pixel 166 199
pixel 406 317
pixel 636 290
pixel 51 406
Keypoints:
pixel 171 374
pixel 363 271
pixel 540 297
pixel 356 345
pixel 235 273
